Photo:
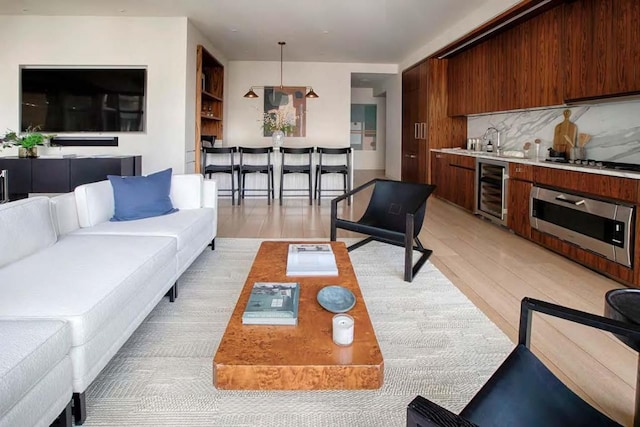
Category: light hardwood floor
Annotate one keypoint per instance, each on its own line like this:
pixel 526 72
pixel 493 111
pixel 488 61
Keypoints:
pixel 495 269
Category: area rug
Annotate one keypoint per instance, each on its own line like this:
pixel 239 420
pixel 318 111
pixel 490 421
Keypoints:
pixel 434 341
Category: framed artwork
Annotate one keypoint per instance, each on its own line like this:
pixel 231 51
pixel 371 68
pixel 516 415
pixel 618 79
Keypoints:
pixel 363 126
pixel 287 103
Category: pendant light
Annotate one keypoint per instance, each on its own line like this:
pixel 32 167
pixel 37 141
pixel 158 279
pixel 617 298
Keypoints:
pixel 251 94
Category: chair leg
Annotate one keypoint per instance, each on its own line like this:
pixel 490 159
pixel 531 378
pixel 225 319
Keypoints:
pixel 233 190
pixel 268 188
pixel 315 188
pixel 281 185
pixel 273 186
pixel 310 189
pixel 319 188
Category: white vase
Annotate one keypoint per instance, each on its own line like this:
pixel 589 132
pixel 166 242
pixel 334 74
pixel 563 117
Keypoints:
pixel 278 138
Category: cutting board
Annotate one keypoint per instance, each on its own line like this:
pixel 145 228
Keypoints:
pixel 566 129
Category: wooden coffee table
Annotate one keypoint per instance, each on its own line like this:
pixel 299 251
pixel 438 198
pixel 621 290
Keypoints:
pixel 302 357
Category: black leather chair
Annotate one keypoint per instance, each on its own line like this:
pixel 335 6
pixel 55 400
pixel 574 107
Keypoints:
pixel 394 215
pixel 257 160
pixel 523 392
pixel 328 163
pixel 224 163
pixel 289 166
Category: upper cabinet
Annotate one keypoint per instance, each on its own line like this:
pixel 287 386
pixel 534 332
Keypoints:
pixel 518 68
pixel 602 48
pixel 577 50
pixel 209 99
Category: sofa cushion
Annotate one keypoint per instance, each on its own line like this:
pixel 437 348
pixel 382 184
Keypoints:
pixel 30 349
pixel 138 197
pixel 26 226
pixel 82 279
pixel 184 225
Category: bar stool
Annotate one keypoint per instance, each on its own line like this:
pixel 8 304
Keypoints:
pixel 333 164
pixel 225 164
pixel 252 161
pixel 296 164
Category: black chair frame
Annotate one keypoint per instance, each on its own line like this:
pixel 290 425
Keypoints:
pixel 301 168
pixel 406 238
pixel 424 413
pixel 343 169
pixel 231 168
pixel 257 168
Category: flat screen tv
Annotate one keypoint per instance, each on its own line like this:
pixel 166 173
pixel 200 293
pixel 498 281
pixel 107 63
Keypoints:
pixel 83 99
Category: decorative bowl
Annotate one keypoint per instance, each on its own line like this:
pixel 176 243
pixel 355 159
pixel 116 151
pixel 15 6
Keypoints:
pixel 336 299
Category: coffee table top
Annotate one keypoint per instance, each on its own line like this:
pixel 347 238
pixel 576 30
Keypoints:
pixel 302 356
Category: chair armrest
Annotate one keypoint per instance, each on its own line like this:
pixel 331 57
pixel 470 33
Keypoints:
pixel 528 305
pixel 424 413
pixel 354 191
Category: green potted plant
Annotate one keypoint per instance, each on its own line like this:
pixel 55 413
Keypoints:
pixel 27 142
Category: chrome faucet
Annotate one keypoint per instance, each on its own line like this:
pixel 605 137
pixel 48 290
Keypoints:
pixel 488 132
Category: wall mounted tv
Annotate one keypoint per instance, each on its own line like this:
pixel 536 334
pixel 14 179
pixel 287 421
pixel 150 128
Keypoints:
pixel 83 99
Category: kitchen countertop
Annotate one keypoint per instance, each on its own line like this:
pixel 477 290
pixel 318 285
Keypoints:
pixel 532 162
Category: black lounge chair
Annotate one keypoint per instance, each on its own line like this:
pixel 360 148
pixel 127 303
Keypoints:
pixel 523 392
pixel 394 215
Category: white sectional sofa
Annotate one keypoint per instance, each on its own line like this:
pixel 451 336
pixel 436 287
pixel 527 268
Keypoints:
pixel 62 259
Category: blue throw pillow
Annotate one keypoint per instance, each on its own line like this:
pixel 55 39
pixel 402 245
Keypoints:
pixel 138 197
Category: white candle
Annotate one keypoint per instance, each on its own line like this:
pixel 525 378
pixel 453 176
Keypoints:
pixel 343 329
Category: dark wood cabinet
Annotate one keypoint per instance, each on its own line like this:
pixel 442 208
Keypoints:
pixel 518 192
pixel 425 123
pixel 602 47
pixel 454 177
pixel 61 175
pixel 518 68
pixel 414 123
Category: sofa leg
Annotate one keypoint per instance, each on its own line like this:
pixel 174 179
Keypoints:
pixel 173 292
pixel 79 408
pixel 213 244
pixel 64 419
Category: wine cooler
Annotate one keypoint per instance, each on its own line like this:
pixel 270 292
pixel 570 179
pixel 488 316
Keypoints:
pixel 491 190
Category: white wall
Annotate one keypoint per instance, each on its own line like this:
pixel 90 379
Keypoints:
pixel 393 155
pixel 371 159
pixel 155 43
pixel 328 116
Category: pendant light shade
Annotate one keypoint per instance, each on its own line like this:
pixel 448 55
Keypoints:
pixel 251 94
pixel 311 94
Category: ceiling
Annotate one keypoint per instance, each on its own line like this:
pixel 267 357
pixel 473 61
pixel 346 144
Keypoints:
pixel 358 31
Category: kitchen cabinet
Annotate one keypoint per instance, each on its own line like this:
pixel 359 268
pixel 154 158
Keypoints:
pixel 518 68
pixel 440 175
pixel 602 47
pixel 414 123
pixel 610 187
pixel 519 189
pixel 209 99
pixel 425 123
pixel 454 177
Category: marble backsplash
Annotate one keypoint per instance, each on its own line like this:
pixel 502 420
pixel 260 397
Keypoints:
pixel 614 128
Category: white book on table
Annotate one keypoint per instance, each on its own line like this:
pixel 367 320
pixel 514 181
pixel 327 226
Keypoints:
pixel 311 259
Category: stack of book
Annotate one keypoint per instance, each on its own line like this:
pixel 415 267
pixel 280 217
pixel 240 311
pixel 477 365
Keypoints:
pixel 272 303
pixel 311 259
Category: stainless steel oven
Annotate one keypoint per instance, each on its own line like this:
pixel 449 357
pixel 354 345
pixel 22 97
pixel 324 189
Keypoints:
pixel 491 189
pixel 600 226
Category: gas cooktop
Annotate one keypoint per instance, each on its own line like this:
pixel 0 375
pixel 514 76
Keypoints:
pixel 599 164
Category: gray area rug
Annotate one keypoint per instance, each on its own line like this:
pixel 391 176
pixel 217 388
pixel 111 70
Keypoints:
pixel 434 341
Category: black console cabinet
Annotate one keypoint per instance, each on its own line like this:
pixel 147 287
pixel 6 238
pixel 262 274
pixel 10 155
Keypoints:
pixel 61 175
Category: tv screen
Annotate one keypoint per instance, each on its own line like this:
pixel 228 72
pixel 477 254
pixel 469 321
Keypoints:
pixel 83 99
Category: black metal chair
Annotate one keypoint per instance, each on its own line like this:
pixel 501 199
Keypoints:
pixel 331 164
pixel 300 163
pixel 257 160
pixel 226 165
pixel 523 392
pixel 394 215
